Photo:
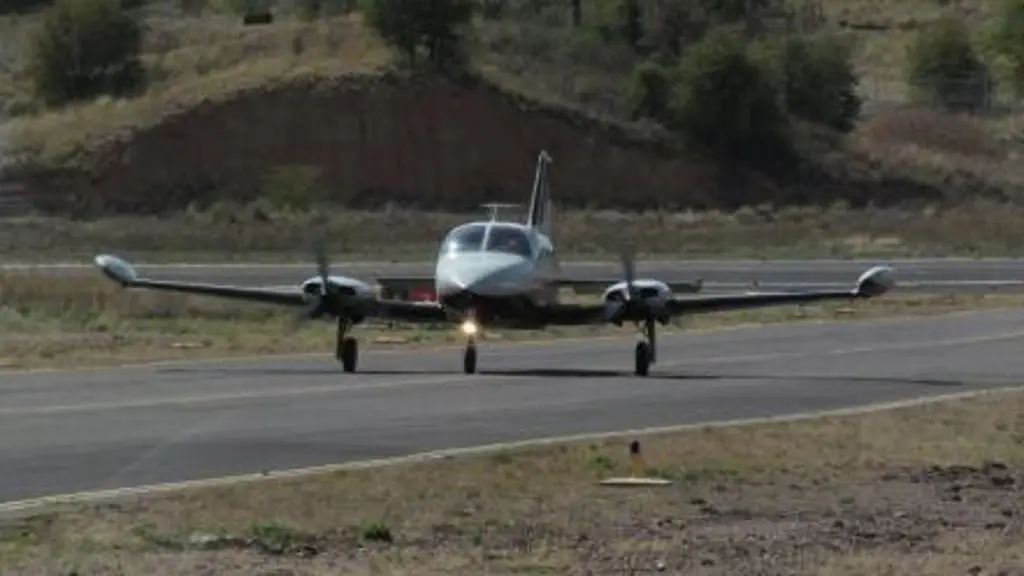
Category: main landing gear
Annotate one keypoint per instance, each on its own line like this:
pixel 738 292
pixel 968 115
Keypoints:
pixel 645 352
pixel 346 350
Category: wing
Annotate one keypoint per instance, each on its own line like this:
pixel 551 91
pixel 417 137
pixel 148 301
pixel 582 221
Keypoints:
pixel 125 274
pixel 402 286
pixel 872 283
pixel 591 287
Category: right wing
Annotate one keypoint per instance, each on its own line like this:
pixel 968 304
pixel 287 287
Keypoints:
pixel 401 286
pixel 125 274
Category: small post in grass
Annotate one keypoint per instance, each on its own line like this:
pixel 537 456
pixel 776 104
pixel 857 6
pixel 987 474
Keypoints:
pixel 637 471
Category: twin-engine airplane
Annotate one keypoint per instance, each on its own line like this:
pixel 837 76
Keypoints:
pixel 500 274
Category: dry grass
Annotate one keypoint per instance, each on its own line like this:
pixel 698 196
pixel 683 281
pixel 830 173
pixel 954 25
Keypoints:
pixel 973 229
pixel 932 490
pixel 196 59
pixel 90 321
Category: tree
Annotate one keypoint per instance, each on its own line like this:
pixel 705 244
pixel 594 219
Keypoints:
pixel 729 104
pixel 1006 39
pixel 85 48
pixel 945 70
pixel 818 81
pixel 650 88
pixel 435 25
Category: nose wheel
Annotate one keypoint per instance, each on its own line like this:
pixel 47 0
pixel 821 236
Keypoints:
pixel 644 353
pixel 469 357
pixel 346 349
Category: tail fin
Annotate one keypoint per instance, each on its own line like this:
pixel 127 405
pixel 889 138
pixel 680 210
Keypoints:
pixel 540 199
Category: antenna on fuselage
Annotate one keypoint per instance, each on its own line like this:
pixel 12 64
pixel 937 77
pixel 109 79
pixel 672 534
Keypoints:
pixel 494 206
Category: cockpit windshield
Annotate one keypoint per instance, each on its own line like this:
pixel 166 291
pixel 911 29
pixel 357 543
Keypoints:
pixel 488 237
pixel 468 238
pixel 508 239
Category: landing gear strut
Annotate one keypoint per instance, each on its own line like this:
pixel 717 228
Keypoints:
pixel 470 329
pixel 469 357
pixel 645 353
pixel 346 350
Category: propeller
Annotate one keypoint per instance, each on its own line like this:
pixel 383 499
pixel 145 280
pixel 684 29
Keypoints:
pixel 320 303
pixel 629 271
pixel 629 275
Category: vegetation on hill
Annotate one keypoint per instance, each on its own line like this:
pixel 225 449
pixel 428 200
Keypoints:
pixel 703 104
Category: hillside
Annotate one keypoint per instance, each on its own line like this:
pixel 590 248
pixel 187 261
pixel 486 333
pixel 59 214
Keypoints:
pixel 310 108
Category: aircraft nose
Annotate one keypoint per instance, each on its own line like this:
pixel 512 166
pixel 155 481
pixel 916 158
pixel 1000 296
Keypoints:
pixel 488 277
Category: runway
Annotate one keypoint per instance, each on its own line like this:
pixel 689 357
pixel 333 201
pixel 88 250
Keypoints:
pixel 103 429
pixel 913 274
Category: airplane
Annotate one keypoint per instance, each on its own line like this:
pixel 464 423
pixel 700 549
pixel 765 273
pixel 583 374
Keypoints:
pixel 505 275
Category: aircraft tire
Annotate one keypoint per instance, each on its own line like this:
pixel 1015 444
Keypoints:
pixel 469 360
pixel 349 354
pixel 642 359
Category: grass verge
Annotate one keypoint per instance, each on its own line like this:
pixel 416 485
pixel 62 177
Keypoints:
pixel 926 490
pixel 972 229
pixel 91 321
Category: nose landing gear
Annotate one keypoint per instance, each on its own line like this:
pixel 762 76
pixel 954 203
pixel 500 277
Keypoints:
pixel 469 357
pixel 469 328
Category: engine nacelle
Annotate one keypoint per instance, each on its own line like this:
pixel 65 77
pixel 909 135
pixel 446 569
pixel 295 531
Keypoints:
pixel 342 285
pixel 646 289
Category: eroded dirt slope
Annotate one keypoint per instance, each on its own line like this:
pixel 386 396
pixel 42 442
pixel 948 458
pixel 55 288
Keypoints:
pixel 425 141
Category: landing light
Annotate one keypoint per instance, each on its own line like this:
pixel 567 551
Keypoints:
pixel 469 328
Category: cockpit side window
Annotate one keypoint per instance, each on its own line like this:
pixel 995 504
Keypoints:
pixel 465 239
pixel 511 240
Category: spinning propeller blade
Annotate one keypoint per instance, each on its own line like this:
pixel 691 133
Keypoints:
pixel 629 271
pixel 629 275
pixel 316 308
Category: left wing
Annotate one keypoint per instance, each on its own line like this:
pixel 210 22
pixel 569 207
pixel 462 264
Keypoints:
pixel 872 283
pixel 597 286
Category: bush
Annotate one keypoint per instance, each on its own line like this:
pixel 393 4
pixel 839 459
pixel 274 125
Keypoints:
pixel 409 25
pixel 1007 41
pixel 86 48
pixel 650 88
pixel 945 70
pixel 729 104
pixel 819 84
pixel 21 6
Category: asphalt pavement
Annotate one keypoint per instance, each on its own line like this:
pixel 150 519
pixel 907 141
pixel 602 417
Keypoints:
pixel 718 275
pixel 68 431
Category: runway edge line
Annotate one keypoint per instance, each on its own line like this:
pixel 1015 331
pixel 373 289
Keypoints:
pixel 98 496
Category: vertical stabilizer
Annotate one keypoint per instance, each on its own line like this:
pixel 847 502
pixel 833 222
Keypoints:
pixel 540 199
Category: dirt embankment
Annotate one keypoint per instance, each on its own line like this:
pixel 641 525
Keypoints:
pixel 427 142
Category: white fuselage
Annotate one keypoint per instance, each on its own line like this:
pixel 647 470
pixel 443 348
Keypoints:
pixel 495 265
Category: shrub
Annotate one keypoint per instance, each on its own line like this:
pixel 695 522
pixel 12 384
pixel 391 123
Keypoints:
pixel 409 25
pixel 945 70
pixel 20 6
pixel 650 87
pixel 729 104
pixel 86 48
pixel 1006 40
pixel 818 82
